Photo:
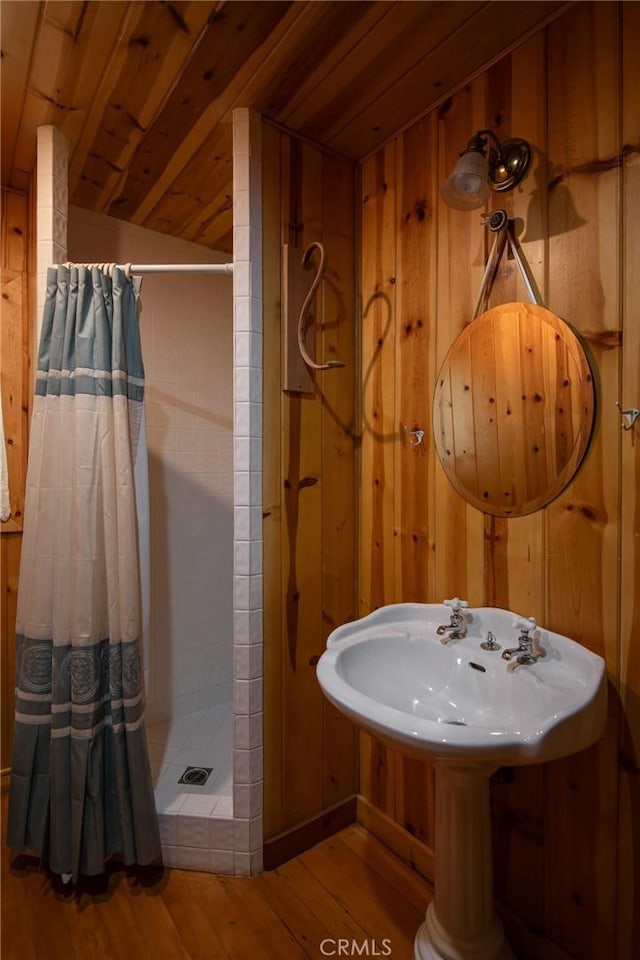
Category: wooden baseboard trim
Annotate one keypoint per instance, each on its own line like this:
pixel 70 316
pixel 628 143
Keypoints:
pixel 290 843
pixel 410 850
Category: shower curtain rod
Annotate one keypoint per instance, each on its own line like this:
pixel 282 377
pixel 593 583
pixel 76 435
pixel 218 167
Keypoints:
pixel 180 267
pixel 129 268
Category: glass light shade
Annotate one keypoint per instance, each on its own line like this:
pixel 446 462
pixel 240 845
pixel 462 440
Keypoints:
pixel 468 186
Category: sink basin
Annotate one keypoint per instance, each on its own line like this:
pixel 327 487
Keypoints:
pixel 391 674
pixel 468 710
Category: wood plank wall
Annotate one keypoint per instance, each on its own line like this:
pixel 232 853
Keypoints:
pixel 566 839
pixel 629 664
pixel 309 490
pixel 14 230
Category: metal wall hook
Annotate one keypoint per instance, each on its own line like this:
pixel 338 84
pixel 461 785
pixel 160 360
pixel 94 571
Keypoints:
pixel 629 416
pixel 498 223
pixel 495 221
pixel 418 436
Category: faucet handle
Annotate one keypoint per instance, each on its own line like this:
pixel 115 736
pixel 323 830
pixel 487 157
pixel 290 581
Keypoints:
pixel 525 624
pixel 456 604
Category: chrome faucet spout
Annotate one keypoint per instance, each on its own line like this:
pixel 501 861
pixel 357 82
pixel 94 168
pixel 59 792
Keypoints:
pixel 508 654
pixel 457 626
pixel 457 629
pixel 523 652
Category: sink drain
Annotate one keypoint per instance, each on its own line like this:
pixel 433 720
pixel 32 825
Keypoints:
pixel 196 776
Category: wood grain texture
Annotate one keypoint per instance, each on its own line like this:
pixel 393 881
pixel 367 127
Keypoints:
pixel 365 76
pixel 380 430
pixel 13 289
pixel 14 235
pixel 517 89
pixel 185 206
pixel 379 427
pixel 272 489
pixel 254 76
pixel 416 200
pixel 303 475
pixel 143 90
pixel 295 840
pixel 628 926
pixel 514 409
pixel 414 466
pixel 214 60
pixel 582 524
pixel 412 850
pixel 462 51
pixel 339 494
pixel 574 564
pixel 309 489
pixel 459 554
pixel 139 95
pixel 323 79
pixel 182 915
pixel 70 58
pixel 514 577
pixel 123 46
pixel 18 37
pixel 334 862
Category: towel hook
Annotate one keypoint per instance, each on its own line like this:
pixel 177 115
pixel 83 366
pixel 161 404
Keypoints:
pixel 418 436
pixel 629 416
pixel 302 327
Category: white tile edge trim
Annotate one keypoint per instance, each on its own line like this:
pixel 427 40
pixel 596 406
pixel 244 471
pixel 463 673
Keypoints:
pixel 247 327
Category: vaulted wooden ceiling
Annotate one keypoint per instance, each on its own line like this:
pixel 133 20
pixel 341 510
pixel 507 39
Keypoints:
pixel 144 89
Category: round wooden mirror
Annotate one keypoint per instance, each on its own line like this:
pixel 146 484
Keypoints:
pixel 513 409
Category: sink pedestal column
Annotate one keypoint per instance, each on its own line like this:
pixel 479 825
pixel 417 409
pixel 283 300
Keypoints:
pixel 461 922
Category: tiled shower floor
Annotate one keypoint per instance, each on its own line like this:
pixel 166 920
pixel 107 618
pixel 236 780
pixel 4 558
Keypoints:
pixel 200 739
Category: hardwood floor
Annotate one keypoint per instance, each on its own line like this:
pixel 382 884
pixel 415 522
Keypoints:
pixel 349 887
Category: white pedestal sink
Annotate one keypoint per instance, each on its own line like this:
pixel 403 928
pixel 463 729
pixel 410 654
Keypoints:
pixel 468 711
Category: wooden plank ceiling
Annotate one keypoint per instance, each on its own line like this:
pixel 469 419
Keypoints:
pixel 144 89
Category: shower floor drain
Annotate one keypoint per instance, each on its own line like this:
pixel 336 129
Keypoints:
pixel 196 776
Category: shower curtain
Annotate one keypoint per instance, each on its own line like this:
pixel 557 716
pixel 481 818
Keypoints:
pixel 81 788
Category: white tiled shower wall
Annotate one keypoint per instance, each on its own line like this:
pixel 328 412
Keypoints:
pixel 186 325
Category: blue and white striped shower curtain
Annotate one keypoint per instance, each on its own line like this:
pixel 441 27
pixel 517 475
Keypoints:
pixel 81 786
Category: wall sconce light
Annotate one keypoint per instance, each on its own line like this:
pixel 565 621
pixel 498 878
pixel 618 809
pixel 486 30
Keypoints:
pixel 476 174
